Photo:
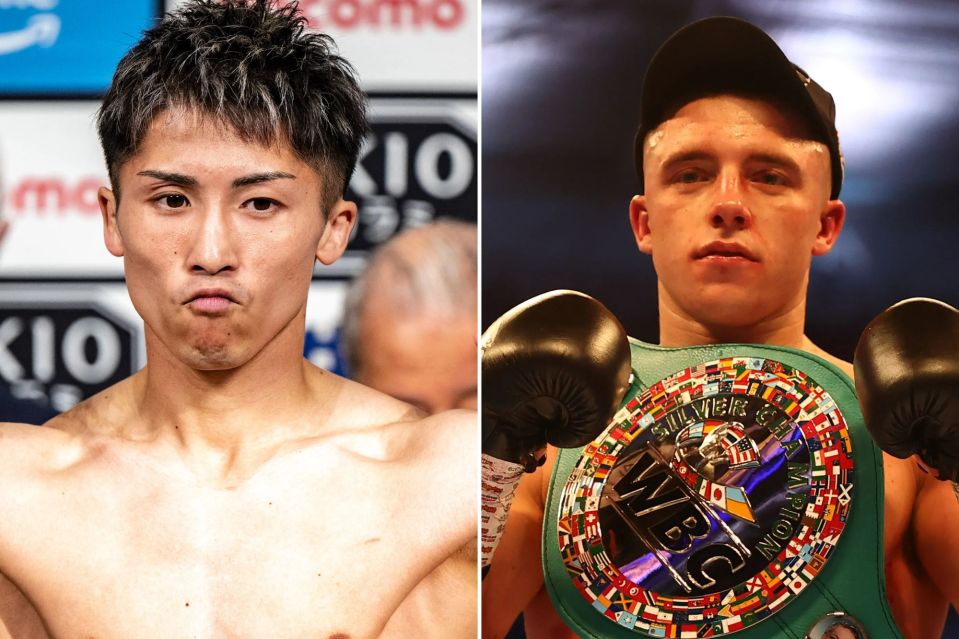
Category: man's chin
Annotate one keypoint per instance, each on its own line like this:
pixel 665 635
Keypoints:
pixel 728 307
pixel 213 357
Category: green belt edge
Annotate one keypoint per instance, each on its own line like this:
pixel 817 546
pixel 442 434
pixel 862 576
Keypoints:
pixel 853 579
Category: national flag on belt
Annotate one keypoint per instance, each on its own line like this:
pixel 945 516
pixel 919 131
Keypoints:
pixel 592 527
pixel 796 584
pixel 648 613
pixel 576 528
pixel 594 546
pixel 621 600
pixel 578 504
pixel 618 434
pixel 781 598
pixel 733 623
pixel 773 576
pixel 755 583
pixel 742 452
pixel 626 619
pixel 601 604
pixel 750 603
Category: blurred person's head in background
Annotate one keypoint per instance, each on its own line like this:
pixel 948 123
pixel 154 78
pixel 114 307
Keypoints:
pixel 409 326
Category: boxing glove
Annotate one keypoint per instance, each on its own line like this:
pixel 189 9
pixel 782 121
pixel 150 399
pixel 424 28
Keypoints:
pixel 907 380
pixel 555 370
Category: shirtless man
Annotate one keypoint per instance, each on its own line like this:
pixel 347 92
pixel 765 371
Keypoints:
pixel 409 329
pixel 741 181
pixel 230 488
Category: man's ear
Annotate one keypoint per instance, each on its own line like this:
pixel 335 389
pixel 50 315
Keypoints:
pixel 111 231
pixel 830 226
pixel 336 233
pixel 639 221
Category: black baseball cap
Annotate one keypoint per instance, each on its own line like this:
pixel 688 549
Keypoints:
pixel 730 55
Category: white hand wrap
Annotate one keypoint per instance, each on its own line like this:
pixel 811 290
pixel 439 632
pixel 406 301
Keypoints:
pixel 500 479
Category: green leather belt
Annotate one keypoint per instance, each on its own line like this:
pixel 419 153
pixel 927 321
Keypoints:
pixel 650 536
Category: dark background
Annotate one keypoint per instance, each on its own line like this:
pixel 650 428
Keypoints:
pixel 560 100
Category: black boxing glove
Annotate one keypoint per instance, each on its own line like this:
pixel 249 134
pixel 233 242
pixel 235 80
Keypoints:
pixel 907 379
pixel 555 370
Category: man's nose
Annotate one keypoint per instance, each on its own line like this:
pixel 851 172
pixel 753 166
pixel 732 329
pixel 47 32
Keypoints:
pixel 729 209
pixel 214 243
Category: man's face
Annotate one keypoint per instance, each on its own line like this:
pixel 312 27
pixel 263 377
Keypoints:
pixel 736 204
pixel 839 632
pixel 219 237
pixel 427 362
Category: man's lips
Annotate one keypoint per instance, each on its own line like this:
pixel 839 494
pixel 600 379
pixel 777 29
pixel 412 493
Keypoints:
pixel 724 251
pixel 210 300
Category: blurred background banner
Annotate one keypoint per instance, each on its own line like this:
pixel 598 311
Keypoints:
pixel 561 92
pixel 67 327
pixel 55 48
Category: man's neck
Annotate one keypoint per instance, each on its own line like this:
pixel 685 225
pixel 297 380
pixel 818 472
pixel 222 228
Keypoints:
pixel 785 328
pixel 233 418
pixel 677 328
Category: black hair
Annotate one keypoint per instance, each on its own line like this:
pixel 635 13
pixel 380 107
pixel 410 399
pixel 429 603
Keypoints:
pixel 251 64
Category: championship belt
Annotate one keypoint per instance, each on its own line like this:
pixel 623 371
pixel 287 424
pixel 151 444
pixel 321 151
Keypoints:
pixel 735 491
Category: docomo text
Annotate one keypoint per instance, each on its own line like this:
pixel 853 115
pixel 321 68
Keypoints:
pixel 383 14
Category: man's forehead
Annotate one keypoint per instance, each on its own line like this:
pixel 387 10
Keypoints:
pixel 183 140
pixel 185 121
pixel 741 118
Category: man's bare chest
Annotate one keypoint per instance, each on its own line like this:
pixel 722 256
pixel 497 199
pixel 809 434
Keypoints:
pixel 290 554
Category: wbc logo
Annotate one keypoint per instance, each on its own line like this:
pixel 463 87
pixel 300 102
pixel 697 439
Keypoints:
pixel 711 500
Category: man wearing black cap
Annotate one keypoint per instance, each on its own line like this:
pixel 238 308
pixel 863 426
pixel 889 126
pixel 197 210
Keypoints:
pixel 740 169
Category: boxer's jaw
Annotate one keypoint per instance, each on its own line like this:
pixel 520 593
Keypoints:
pixel 736 205
pixel 219 237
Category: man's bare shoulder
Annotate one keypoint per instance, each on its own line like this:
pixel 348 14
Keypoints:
pixel 109 412
pixel 371 422
pixel 25 448
pixel 841 364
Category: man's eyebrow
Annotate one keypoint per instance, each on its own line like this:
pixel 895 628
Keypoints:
pixel 166 176
pixel 257 178
pixel 686 156
pixel 775 159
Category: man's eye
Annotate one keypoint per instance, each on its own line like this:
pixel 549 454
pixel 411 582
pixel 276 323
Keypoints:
pixel 261 204
pixel 689 177
pixel 771 178
pixel 173 201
